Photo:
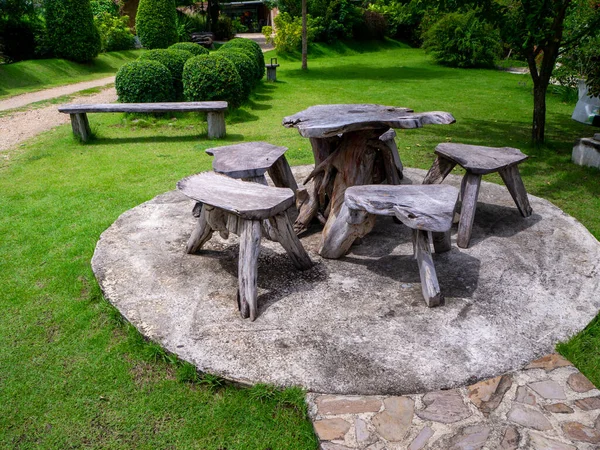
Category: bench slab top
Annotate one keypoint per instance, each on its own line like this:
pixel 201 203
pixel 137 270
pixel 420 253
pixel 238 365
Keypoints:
pixel 252 201
pixel 246 160
pixel 323 121
pixel 73 108
pixel 478 159
pixel 421 207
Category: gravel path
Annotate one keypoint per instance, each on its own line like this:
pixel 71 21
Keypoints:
pixel 20 126
pixel 18 101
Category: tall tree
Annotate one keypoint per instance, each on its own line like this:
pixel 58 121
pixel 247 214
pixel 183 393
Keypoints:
pixel 535 28
pixel 304 37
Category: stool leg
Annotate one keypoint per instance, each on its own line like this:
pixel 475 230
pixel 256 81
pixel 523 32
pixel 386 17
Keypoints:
pixel 441 241
pixel 514 183
pixel 343 231
pixel 281 174
pixel 429 281
pixel 201 234
pixel 248 267
pixel 290 242
pixel 439 170
pixel 469 205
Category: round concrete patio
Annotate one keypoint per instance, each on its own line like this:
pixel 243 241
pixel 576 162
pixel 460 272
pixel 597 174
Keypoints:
pixel 358 325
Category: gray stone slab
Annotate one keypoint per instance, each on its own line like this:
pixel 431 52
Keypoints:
pixel 358 325
pixel 586 152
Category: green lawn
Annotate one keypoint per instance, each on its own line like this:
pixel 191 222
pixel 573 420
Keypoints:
pixel 37 74
pixel 72 375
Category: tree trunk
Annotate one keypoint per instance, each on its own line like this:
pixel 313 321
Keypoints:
pixel 539 112
pixel 304 37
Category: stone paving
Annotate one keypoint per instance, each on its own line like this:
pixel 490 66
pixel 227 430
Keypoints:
pixel 549 405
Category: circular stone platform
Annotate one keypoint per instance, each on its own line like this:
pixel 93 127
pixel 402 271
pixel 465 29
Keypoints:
pixel 358 325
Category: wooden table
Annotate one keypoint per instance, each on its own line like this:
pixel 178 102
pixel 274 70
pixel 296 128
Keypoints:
pixel 352 145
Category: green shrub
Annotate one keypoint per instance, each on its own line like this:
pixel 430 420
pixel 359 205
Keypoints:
pixel 463 40
pixel 245 66
pixel 375 26
pixel 71 32
pixel 212 77
pixel 253 50
pixel 156 23
pixel 194 49
pixel 172 59
pixel 224 28
pixel 114 32
pixel 341 19
pixel 100 7
pixel 289 32
pixel 19 37
pixel 144 82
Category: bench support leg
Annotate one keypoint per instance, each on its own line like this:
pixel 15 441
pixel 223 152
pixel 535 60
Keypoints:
pixel 441 241
pixel 216 125
pixel 248 267
pixel 201 234
pixel 439 170
pixel 429 281
pixel 468 196
pixel 393 165
pixel 81 126
pixel 289 241
pixel 514 183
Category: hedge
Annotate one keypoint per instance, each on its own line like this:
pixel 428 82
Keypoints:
pixel 156 23
pixel 144 82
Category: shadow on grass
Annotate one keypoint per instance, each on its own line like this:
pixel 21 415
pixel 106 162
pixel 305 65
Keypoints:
pixel 372 72
pixel 98 141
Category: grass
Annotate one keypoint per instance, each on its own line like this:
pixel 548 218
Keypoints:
pixel 38 74
pixel 73 375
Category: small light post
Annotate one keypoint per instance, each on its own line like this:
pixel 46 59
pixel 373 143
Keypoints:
pixel 272 70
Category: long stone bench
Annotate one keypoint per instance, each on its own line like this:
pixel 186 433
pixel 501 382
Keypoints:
pixel 81 127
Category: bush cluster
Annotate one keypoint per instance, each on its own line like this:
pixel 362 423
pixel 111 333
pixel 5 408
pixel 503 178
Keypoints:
pixel 463 40
pixel 144 82
pixel 194 49
pixel 245 66
pixel 156 23
pixel 114 32
pixel 71 32
pixel 252 49
pixel 212 77
pixel 173 60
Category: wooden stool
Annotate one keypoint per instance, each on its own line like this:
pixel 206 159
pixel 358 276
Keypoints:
pixel 424 208
pixel 478 161
pixel 230 205
pixel 249 161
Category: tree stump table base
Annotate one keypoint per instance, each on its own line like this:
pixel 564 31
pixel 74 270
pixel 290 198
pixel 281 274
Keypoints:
pixel 478 161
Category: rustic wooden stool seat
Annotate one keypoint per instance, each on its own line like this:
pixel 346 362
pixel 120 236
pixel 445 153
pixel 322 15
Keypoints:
pixel 478 161
pixel 230 205
pixel 424 208
pixel 249 161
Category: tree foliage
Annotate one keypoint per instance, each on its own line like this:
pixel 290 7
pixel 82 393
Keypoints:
pixel 71 33
pixel 156 23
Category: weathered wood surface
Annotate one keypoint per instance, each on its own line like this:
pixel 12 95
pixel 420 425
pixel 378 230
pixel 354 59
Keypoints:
pixel 512 179
pixel 478 159
pixel 392 157
pixel 74 108
pixel 248 268
pixel 248 200
pixel 429 282
pixel 330 120
pixel 81 126
pixel 201 234
pixel 469 194
pixel 421 207
pixel 348 226
pixel 439 170
pixel 250 159
pixel 285 235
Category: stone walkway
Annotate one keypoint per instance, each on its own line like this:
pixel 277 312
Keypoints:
pixel 549 405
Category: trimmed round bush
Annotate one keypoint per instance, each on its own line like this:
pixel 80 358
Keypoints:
pixel 252 48
pixel 194 49
pixel 212 77
pixel 245 66
pixel 156 23
pixel 71 33
pixel 463 40
pixel 172 59
pixel 144 82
